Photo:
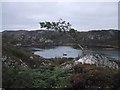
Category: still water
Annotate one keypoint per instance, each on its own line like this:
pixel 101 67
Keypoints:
pixel 67 51
pixel 60 51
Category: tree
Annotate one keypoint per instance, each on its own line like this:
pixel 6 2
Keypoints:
pixel 60 26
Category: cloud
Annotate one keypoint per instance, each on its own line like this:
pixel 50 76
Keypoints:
pixel 82 15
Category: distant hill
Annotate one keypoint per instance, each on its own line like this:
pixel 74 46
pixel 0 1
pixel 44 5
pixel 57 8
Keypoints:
pixel 98 38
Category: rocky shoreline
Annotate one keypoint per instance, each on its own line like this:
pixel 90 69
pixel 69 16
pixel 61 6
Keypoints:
pixel 98 60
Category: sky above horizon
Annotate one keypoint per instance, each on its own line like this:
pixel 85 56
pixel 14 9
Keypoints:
pixel 83 16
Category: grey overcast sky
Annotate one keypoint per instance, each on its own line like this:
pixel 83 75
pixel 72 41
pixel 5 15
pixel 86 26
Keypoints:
pixel 83 16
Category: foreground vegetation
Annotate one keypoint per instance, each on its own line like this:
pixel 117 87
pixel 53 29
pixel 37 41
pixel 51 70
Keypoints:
pixel 52 74
pixel 80 77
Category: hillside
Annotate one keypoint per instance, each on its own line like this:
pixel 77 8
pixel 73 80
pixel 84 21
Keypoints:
pixel 38 38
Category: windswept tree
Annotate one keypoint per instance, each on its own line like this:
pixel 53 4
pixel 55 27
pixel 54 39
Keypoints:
pixel 60 26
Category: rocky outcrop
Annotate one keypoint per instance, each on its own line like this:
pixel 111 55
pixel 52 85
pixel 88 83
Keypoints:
pixel 8 61
pixel 98 60
pixel 93 59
